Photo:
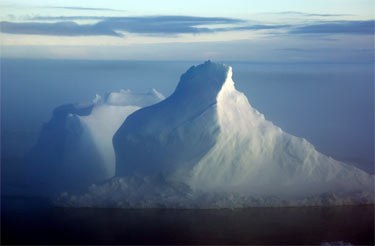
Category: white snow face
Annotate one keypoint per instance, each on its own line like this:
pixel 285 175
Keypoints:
pixel 254 157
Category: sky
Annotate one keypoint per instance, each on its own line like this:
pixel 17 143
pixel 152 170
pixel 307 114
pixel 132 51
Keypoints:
pixel 340 31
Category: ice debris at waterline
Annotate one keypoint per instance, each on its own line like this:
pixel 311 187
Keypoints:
pixel 206 147
pixel 157 192
pixel 75 146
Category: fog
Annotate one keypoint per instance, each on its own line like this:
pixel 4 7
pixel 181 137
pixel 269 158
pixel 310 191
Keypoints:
pixel 331 105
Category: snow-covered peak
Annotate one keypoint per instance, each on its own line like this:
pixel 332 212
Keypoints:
pixel 203 81
pixel 184 124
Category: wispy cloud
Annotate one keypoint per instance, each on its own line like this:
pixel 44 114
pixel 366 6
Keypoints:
pixel 324 50
pixel 114 26
pixel 259 27
pixel 170 26
pixel 337 27
pixel 58 29
pixel 307 14
pixel 81 8
pixel 156 18
pixel 70 18
pixel 165 24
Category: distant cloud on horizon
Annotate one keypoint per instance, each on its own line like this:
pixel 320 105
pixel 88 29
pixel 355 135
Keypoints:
pixel 56 29
pixel 113 26
pixel 338 27
pixel 170 25
pixel 308 14
pixel 81 8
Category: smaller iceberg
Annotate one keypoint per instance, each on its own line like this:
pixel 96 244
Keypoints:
pixel 75 147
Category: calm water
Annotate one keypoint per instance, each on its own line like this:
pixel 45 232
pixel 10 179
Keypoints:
pixel 32 221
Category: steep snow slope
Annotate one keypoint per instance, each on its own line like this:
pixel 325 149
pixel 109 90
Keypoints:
pixel 75 147
pixel 207 136
pixel 254 157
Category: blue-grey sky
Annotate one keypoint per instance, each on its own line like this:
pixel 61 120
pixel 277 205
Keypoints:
pixel 243 30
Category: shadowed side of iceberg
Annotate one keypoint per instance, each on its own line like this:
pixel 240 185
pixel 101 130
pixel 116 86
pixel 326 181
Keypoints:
pixel 175 133
pixel 75 148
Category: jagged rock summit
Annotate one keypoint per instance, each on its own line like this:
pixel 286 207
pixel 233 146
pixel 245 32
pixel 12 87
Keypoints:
pixel 207 136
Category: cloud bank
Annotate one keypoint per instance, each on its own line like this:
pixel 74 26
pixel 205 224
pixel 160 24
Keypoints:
pixel 81 8
pixel 338 27
pixel 307 14
pixel 113 26
pixel 170 25
pixel 57 29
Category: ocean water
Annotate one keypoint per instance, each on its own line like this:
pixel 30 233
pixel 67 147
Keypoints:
pixel 33 221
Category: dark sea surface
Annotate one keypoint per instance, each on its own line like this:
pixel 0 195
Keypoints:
pixel 34 221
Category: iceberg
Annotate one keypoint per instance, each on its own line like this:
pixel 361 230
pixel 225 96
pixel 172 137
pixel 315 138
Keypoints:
pixel 204 146
pixel 208 147
pixel 208 136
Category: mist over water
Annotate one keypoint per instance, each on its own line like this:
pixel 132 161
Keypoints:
pixel 331 105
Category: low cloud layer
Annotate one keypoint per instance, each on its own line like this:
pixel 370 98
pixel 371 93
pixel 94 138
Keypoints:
pixel 81 8
pixel 338 27
pixel 170 25
pixel 307 14
pixel 113 26
pixel 56 29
